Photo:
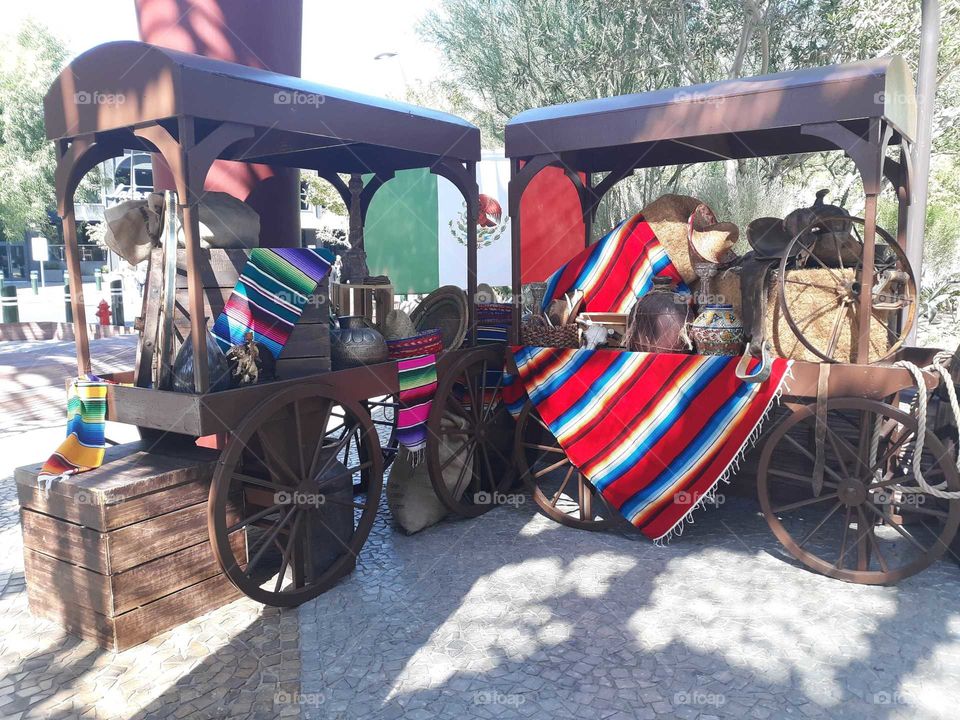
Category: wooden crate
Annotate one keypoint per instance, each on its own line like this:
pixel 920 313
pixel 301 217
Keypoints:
pixel 307 351
pixel 120 554
pixel 372 302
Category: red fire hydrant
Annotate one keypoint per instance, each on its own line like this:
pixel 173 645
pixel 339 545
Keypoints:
pixel 103 313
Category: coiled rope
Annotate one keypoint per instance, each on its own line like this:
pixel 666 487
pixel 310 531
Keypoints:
pixel 938 365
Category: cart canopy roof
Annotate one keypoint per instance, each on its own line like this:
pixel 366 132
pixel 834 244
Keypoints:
pixel 746 117
pixel 118 85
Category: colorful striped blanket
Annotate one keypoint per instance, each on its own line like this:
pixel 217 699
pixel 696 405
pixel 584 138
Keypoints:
pixel 493 322
pixel 85 444
pixel 653 432
pixel 274 287
pixel 615 270
pixel 417 370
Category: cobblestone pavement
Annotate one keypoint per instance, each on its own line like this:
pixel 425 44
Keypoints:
pixel 511 615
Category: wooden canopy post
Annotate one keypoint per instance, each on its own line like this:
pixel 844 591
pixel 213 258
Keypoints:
pixel 189 162
pixel 464 178
pixel 75 159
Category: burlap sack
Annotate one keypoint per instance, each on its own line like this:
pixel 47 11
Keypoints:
pixel 410 496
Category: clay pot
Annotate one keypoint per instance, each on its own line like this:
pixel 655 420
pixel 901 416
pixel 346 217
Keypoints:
pixel 717 331
pixel 355 343
pixel 658 321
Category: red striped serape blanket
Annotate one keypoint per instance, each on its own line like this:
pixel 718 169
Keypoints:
pixel 653 432
pixel 615 270
pixel 417 370
pixel 274 287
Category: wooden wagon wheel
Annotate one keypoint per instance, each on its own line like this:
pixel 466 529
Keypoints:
pixel 383 414
pixel 558 488
pixel 893 284
pixel 286 481
pixel 469 434
pixel 862 527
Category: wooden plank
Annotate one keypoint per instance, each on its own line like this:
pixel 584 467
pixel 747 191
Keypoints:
pixel 216 267
pixel 113 595
pixel 121 549
pixel 150 581
pixel 139 543
pixel 221 411
pixel 137 625
pixel 308 341
pixel 143 623
pixel 73 543
pixel 163 410
pixel 289 368
pixel 128 472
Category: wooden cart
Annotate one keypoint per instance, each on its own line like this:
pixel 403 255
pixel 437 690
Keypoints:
pixel 870 522
pixel 301 466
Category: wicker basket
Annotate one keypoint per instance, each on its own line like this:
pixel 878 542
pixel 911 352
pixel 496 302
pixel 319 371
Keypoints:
pixel 539 335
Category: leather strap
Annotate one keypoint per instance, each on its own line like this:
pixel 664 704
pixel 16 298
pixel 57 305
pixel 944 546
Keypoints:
pixel 753 306
pixel 820 432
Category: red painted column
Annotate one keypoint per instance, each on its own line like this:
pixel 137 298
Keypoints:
pixel 253 33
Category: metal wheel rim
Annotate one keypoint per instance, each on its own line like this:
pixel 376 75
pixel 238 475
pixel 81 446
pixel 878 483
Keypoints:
pixel 815 562
pixel 221 485
pixel 547 505
pixel 446 403
pixel 911 284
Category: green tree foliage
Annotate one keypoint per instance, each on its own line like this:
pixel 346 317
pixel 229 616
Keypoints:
pixel 29 61
pixel 505 56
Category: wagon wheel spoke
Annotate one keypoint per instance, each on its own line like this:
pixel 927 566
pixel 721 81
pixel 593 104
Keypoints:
pixel 494 398
pixel 267 540
pixel 298 426
pixel 459 486
pixel 798 480
pixel 872 538
pixel 259 482
pixel 349 472
pixel 794 281
pixel 457 407
pixel 274 460
pixel 544 448
pixel 254 518
pixel 896 526
pixel 566 479
pixel 472 393
pixel 489 468
pixel 545 471
pixel 334 454
pixel 286 552
pixel 334 500
pixel 819 310
pixel 835 331
pixel 805 503
pixel 456 453
pixel 822 264
pixel 801 448
pixel 324 421
pixel 885 458
pixel 843 538
pixel 820 524
pixel 836 449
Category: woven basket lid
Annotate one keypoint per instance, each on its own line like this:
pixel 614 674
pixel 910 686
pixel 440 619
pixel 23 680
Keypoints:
pixel 445 308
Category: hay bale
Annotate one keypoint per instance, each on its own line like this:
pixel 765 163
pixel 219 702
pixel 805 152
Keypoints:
pixel 810 308
pixel 668 216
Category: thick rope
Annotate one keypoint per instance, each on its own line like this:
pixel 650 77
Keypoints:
pixel 938 366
